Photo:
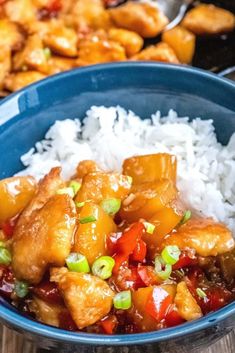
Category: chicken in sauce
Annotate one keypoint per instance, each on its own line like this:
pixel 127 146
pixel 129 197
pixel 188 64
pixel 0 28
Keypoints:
pixel 111 253
pixel 39 38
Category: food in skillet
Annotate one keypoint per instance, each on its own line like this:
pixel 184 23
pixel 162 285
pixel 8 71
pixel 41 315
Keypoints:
pixel 111 253
pixel 39 38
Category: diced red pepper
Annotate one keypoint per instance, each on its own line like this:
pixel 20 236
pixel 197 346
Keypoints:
pixel 173 317
pixel 186 260
pixel 127 278
pixel 158 303
pixel 48 291
pixel 126 244
pixel 147 275
pixel 139 252
pixel 7 281
pixel 109 324
pixel 111 242
pixel 54 5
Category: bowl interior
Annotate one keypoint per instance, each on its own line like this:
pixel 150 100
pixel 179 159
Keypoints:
pixel 142 87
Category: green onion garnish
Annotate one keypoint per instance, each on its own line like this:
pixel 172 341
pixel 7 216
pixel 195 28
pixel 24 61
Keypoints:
pixel 149 227
pixel 162 269
pixel 111 206
pixel 21 289
pixel 186 217
pixel 122 300
pixel 171 254
pixel 129 179
pixel 47 53
pixel 76 186
pixel 5 256
pixel 78 263
pixel 2 244
pixel 87 219
pixel 201 293
pixel 69 191
pixel 103 266
pixel 79 204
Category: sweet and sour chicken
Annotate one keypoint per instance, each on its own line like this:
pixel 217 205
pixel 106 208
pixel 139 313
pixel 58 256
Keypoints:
pixel 110 253
pixel 39 38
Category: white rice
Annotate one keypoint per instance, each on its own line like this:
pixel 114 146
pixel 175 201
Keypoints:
pixel 206 169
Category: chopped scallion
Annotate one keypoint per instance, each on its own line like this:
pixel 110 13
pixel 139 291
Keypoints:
pixel 103 266
pixel 111 206
pixel 149 227
pixel 171 254
pixel 162 269
pixel 122 300
pixel 201 293
pixel 21 289
pixel 186 217
pixel 5 256
pixel 78 263
pixel 76 186
pixel 87 219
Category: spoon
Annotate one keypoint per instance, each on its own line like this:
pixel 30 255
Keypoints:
pixel 173 9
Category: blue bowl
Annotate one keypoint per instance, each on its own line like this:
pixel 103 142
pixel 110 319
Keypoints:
pixel 143 87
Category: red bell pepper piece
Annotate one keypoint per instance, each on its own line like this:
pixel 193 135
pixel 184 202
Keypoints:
pixel 158 303
pixel 173 317
pixel 109 324
pixel 126 244
pixel 147 275
pixel 186 260
pixel 139 252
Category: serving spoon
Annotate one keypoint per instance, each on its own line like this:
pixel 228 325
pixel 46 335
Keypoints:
pixel 173 9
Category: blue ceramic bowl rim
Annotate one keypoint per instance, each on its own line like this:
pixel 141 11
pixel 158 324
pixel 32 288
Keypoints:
pixel 23 323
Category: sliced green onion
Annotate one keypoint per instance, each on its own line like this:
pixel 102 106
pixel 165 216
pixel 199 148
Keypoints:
pixel 103 266
pixel 69 191
pixel 122 300
pixel 201 293
pixel 129 179
pixel 47 53
pixel 5 256
pixel 149 227
pixel 78 263
pixel 76 186
pixel 79 204
pixel 2 244
pixel 111 206
pixel 186 217
pixel 171 254
pixel 21 289
pixel 87 219
pixel 162 269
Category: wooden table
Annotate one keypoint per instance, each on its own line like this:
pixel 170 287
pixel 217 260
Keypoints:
pixel 12 343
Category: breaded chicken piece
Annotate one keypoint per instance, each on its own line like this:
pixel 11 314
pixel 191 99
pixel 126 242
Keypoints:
pixel 16 81
pixel 44 231
pixel 147 20
pixel 159 52
pixel 131 41
pixel 209 19
pixel 88 298
pixel 206 236
pixel 45 312
pixel 5 64
pixel 11 36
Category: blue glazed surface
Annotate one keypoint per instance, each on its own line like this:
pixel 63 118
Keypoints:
pixel 144 88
